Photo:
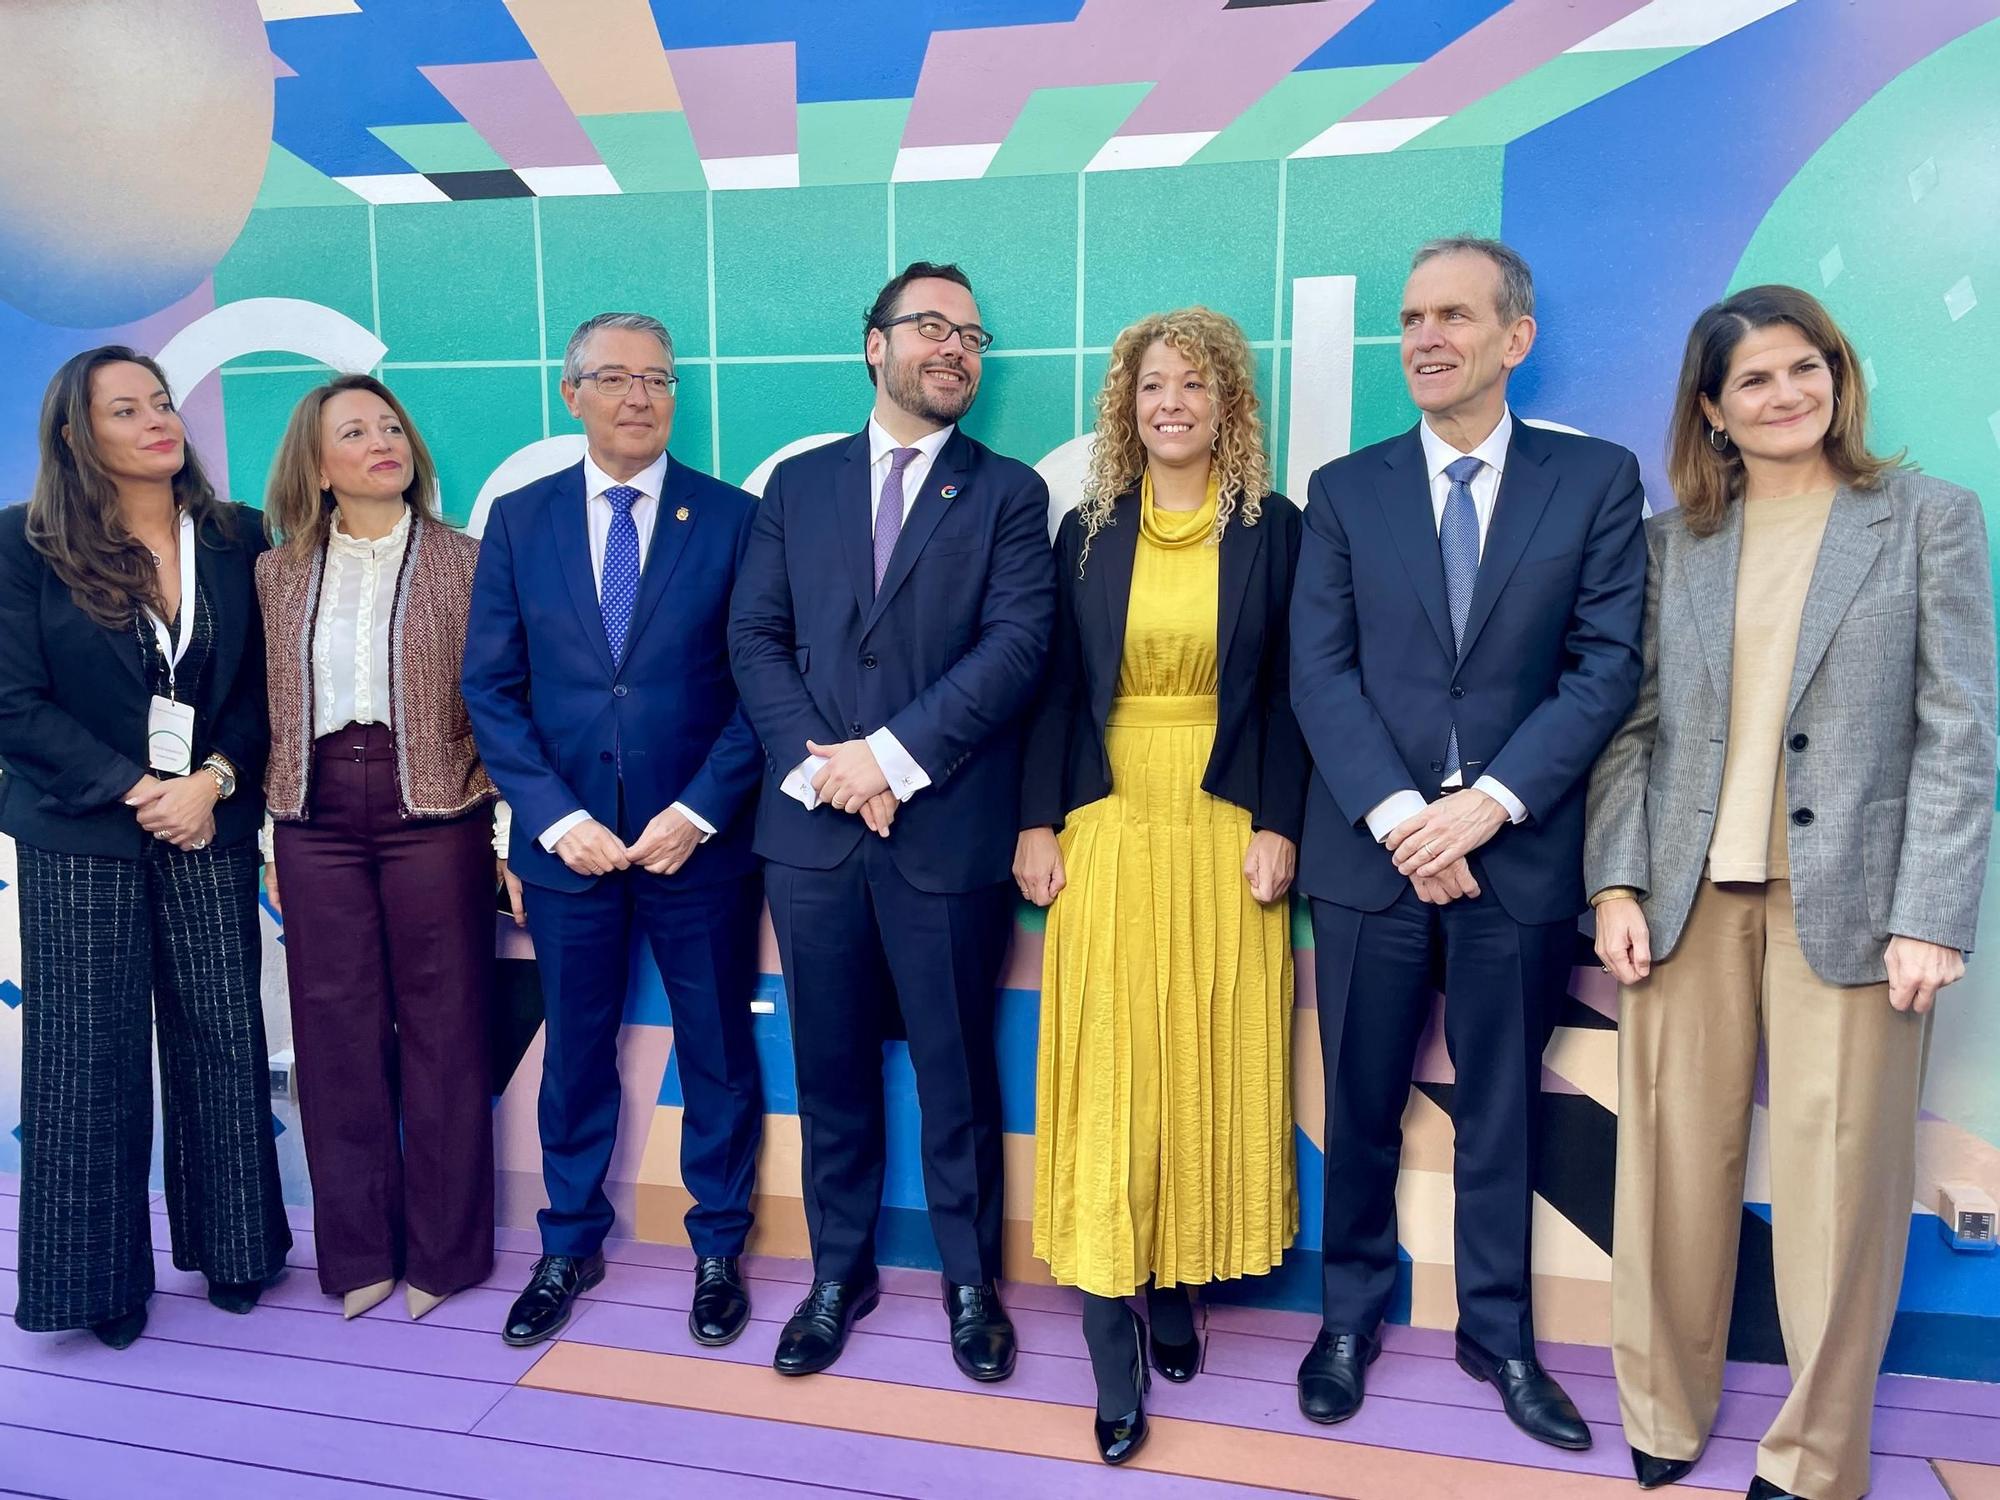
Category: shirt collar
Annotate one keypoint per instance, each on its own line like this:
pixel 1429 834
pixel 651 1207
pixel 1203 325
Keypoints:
pixel 338 538
pixel 650 481
pixel 881 445
pixel 1493 452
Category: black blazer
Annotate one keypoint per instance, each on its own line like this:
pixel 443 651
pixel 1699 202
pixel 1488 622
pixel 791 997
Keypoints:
pixel 74 699
pixel 1259 760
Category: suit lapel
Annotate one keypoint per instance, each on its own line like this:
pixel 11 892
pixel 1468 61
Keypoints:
pixel 952 461
pixel 1240 545
pixel 673 521
pixel 1404 494
pixel 1113 552
pixel 1846 553
pixel 569 521
pixel 854 521
pixel 1710 570
pixel 1525 488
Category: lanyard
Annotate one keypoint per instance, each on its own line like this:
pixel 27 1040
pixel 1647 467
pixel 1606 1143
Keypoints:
pixel 172 649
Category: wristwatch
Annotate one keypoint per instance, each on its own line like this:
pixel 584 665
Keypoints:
pixel 224 774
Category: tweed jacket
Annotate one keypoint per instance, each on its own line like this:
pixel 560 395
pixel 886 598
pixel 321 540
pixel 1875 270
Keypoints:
pixel 438 772
pixel 1889 733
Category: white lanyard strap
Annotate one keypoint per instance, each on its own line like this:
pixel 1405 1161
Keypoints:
pixel 174 648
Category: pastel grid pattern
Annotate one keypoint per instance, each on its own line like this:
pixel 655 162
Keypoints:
pixel 1458 540
pixel 619 590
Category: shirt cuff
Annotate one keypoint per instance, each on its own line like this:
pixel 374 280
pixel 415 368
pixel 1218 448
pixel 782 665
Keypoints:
pixel 1393 811
pixel 1517 812
pixel 552 835
pixel 905 776
pixel 707 828
pixel 503 827
pixel 799 784
pixel 267 838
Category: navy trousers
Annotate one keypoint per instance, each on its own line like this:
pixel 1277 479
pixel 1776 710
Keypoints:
pixel 1503 982
pixel 704 939
pixel 853 941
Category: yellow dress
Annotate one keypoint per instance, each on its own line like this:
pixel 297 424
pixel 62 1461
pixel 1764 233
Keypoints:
pixel 1163 1108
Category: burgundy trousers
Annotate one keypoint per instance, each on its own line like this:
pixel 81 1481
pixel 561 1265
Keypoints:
pixel 389 948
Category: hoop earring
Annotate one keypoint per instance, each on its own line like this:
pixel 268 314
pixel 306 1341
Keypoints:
pixel 1718 440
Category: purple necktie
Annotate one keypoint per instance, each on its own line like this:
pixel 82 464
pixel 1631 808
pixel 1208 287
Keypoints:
pixel 889 511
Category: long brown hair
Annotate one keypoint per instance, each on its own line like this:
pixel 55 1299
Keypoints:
pixel 73 516
pixel 1706 478
pixel 297 512
pixel 1215 346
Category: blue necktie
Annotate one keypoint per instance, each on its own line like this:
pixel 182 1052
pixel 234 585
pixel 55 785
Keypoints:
pixel 619 589
pixel 1458 540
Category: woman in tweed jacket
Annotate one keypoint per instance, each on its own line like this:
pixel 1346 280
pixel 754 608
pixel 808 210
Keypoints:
pixel 1786 844
pixel 383 821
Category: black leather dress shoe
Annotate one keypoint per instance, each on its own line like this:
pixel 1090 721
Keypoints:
pixel 721 1306
pixel 1180 1363
pixel 1118 1438
pixel 1653 1472
pixel 1762 1489
pixel 817 1331
pixel 543 1309
pixel 1333 1376
pixel 982 1337
pixel 235 1296
pixel 1534 1402
pixel 120 1332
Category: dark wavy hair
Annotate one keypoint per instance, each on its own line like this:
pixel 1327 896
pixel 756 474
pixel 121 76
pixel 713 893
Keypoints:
pixel 73 515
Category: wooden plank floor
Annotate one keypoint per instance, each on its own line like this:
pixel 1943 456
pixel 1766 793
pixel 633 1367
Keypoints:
pixel 294 1401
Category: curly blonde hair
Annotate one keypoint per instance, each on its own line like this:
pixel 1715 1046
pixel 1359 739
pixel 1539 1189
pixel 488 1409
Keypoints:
pixel 1216 347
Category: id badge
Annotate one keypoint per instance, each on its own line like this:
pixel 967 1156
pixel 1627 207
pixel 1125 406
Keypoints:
pixel 170 736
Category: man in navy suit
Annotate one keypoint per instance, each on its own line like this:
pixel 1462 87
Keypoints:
pixel 1465 639
pixel 888 631
pixel 597 679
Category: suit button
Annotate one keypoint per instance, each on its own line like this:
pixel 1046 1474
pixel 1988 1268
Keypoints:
pixel 855 729
pixel 868 661
pixel 619 690
pixel 604 755
pixel 1457 691
pixel 1437 765
pixel 1799 742
pixel 1803 817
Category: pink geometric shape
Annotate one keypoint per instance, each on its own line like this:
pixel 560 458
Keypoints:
pixel 740 101
pixel 1230 59
pixel 282 69
pixel 518 109
pixel 1507 45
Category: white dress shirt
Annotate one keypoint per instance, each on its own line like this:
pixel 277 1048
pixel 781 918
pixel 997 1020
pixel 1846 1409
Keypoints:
pixel 651 483
pixel 904 775
pixel 1399 807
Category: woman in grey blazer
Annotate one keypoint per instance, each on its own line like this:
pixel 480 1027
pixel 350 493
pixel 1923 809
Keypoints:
pixel 1786 844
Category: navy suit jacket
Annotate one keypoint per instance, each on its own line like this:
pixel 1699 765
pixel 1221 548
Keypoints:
pixel 947 654
pixel 558 727
pixel 1549 667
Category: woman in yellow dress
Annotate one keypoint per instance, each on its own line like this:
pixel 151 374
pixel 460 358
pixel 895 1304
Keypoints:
pixel 1164 788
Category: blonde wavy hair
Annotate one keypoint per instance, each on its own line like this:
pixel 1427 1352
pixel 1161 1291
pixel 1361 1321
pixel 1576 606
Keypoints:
pixel 1216 347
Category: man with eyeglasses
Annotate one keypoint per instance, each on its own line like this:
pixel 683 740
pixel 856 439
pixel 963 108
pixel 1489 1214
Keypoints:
pixel 597 679
pixel 887 632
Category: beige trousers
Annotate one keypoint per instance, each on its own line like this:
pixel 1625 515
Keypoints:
pixel 1845 1073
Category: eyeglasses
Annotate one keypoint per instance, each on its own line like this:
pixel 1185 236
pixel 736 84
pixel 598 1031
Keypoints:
pixel 937 328
pixel 618 382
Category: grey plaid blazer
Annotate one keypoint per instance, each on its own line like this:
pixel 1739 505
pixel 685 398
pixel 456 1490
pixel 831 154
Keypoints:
pixel 1889 736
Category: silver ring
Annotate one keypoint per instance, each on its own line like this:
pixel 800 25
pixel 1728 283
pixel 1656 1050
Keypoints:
pixel 201 843
pixel 159 833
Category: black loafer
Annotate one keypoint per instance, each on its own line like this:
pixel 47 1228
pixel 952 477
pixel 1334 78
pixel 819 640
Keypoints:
pixel 235 1296
pixel 1534 1402
pixel 1762 1489
pixel 818 1328
pixel 1333 1377
pixel 982 1336
pixel 1180 1363
pixel 544 1307
pixel 1120 1437
pixel 1654 1472
pixel 721 1307
pixel 121 1332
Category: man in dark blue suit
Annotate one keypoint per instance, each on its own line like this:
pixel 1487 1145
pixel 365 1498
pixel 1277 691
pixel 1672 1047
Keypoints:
pixel 1465 639
pixel 887 632
pixel 597 678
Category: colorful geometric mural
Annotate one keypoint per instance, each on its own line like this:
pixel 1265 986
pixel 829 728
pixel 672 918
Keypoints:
pixel 441 189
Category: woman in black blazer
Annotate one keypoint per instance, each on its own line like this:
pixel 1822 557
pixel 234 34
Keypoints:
pixel 1163 792
pixel 131 711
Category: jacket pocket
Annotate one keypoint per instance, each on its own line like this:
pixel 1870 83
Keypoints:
pixel 1881 857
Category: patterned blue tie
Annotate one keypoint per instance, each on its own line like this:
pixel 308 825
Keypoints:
pixel 1458 540
pixel 619 589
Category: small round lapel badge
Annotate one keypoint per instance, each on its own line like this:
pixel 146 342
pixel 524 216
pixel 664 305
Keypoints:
pixel 681 514
pixel 950 491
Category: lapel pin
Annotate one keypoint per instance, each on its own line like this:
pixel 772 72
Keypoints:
pixel 681 514
pixel 949 491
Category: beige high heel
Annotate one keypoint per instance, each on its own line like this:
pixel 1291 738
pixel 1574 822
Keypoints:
pixel 419 1301
pixel 358 1301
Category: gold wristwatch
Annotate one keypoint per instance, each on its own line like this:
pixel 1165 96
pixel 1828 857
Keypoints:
pixel 224 773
